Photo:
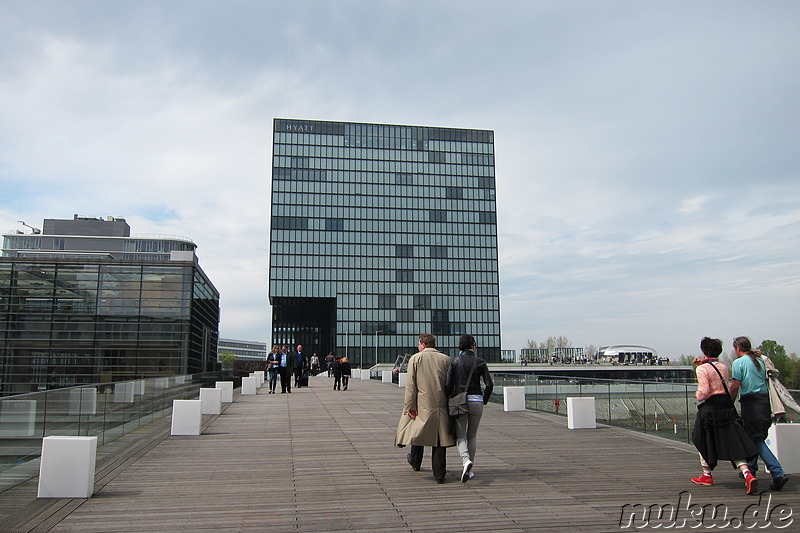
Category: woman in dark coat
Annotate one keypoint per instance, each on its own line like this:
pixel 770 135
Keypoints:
pixel 466 426
pixel 337 373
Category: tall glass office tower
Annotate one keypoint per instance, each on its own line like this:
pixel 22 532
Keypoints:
pixel 380 233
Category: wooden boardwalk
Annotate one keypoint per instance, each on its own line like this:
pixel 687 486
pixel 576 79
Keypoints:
pixel 319 460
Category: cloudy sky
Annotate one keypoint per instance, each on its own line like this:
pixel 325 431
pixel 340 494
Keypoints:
pixel 647 153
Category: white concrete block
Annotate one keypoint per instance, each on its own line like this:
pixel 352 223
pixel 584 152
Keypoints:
pixel 83 401
pixel 386 376
pixel 249 386
pixel 513 398
pixel 227 390
pixel 187 417
pixel 17 418
pixel 402 379
pixel 66 469
pixel 365 374
pixel 161 383
pixel 124 392
pixel 784 441
pixel 580 413
pixel 210 401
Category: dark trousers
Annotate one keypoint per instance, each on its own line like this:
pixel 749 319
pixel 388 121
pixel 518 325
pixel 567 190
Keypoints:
pixel 286 379
pixel 345 381
pixel 297 373
pixel 438 459
pixel 337 382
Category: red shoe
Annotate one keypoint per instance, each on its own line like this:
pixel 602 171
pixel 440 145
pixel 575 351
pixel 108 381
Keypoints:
pixel 705 479
pixel 751 483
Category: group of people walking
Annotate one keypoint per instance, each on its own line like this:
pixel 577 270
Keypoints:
pixel 289 366
pixel 720 432
pixel 432 378
pixel 295 366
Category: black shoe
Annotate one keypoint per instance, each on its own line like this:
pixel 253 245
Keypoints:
pixel 439 481
pixel 779 482
pixel 414 468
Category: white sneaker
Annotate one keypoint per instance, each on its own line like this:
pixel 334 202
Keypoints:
pixel 465 474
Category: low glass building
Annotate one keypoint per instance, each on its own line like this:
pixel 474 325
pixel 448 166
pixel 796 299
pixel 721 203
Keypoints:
pixel 69 319
pixel 380 233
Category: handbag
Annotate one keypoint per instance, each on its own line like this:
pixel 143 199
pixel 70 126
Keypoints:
pixel 458 404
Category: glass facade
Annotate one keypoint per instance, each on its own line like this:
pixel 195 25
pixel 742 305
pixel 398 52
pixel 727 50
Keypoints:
pixel 380 233
pixel 72 322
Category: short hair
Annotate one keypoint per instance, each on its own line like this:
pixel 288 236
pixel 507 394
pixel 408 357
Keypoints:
pixel 428 340
pixel 466 342
pixel 711 347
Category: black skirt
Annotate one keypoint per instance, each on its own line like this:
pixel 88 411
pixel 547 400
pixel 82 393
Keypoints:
pixel 718 436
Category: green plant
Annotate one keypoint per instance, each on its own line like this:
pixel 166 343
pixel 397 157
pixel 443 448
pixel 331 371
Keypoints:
pixel 227 360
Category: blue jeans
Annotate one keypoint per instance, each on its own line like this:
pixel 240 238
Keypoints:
pixel 768 457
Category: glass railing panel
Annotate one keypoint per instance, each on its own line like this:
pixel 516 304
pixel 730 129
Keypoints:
pixel 107 410
pixel 665 409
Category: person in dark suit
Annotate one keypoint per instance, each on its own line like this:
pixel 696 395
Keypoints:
pixel 337 373
pixel 300 365
pixel 286 369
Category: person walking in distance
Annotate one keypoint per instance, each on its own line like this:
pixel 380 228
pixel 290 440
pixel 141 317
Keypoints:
pixel 329 363
pixel 286 369
pixel 337 373
pixel 273 362
pixel 345 372
pixel 300 365
pixel 425 420
pixel 465 373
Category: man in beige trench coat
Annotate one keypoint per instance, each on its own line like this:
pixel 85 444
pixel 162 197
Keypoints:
pixel 425 420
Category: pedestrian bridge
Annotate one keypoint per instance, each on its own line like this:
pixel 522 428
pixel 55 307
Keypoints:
pixel 320 460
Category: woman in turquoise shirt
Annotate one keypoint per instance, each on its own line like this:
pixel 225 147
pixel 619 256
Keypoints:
pixel 750 381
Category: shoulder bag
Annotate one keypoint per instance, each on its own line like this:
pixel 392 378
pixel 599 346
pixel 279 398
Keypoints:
pixel 736 414
pixel 458 404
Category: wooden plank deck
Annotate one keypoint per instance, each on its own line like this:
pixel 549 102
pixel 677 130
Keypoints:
pixel 324 460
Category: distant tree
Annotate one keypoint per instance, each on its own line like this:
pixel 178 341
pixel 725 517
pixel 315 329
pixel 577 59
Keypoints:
pixel 227 359
pixel 686 359
pixel 532 344
pixel 792 379
pixel 777 354
pixel 590 351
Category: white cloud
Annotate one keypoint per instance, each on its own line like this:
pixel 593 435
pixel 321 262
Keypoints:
pixel 646 155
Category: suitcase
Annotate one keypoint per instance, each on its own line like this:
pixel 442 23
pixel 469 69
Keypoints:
pixel 304 380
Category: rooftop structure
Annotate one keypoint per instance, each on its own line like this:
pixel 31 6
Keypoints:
pixel 102 306
pixel 90 237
